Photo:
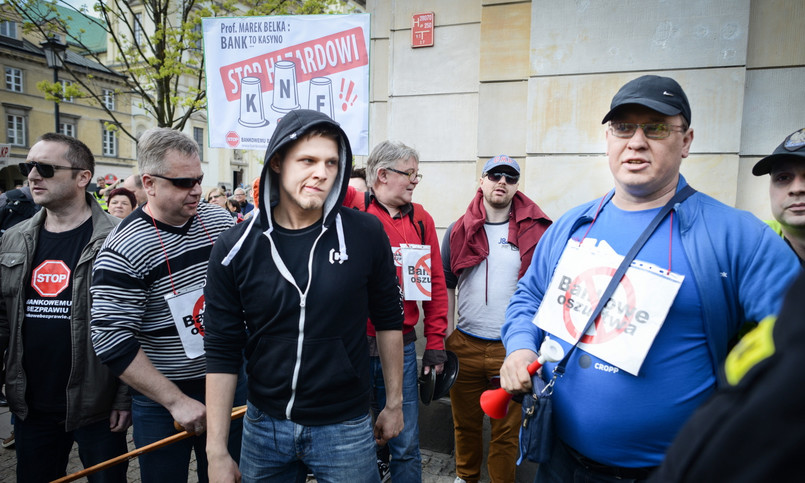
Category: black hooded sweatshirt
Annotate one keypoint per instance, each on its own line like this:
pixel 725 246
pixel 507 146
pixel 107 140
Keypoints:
pixel 303 327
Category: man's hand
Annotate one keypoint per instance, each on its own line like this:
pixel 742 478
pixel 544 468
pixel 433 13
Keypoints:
pixel 190 414
pixel 389 424
pixel 439 368
pixel 119 421
pixel 222 469
pixel 514 376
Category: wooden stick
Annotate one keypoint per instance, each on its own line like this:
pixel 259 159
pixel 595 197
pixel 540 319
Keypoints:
pixel 237 412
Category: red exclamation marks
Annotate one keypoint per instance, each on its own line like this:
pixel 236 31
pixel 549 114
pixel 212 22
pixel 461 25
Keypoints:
pixel 349 100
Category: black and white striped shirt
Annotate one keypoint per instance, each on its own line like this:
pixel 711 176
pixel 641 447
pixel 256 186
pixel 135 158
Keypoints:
pixel 130 281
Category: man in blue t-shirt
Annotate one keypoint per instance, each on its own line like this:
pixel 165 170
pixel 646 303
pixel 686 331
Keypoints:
pixel 58 390
pixel 651 358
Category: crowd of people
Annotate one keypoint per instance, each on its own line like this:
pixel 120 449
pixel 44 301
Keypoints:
pixel 149 304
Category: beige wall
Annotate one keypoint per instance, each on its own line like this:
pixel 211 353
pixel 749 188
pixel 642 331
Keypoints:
pixel 533 79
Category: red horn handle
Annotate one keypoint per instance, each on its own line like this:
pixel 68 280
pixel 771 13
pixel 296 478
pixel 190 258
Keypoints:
pixel 495 402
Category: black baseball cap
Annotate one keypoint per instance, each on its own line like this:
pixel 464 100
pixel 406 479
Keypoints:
pixel 793 147
pixel 661 94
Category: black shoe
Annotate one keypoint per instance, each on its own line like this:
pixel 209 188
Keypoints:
pixel 3 400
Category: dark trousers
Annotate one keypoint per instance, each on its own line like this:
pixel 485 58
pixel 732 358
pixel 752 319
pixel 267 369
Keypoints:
pixel 43 449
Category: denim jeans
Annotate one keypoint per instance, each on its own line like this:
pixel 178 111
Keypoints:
pixel 43 449
pixel 152 422
pixel 406 461
pixel 562 468
pixel 280 450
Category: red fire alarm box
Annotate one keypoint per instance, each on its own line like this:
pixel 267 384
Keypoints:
pixel 422 30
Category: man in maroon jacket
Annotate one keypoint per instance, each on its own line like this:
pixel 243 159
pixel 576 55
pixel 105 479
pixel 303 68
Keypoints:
pixel 484 254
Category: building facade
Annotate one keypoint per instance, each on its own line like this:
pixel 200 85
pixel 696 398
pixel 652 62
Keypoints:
pixel 27 113
pixel 533 79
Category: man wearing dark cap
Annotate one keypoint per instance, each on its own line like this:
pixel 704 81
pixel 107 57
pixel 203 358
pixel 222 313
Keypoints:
pixel 786 165
pixel 484 254
pixel 651 357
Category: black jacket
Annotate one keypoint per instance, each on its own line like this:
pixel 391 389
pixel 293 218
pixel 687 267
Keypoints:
pixel 753 427
pixel 306 345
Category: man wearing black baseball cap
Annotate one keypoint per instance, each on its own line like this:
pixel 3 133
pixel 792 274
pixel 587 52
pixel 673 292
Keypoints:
pixel 786 167
pixel 628 388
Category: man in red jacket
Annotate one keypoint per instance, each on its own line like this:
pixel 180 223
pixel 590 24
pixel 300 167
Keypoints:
pixel 485 253
pixel 392 174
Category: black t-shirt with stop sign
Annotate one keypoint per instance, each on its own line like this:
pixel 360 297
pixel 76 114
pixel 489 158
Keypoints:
pixel 46 335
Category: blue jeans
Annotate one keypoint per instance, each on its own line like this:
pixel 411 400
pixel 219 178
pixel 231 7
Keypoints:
pixel 281 450
pixel 563 468
pixel 406 461
pixel 152 422
pixel 43 449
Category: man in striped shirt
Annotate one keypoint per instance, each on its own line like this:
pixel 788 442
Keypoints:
pixel 148 300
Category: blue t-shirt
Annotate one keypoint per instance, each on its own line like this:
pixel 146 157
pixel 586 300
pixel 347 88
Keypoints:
pixel 638 416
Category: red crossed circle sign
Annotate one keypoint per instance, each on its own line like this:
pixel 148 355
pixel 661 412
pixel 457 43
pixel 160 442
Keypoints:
pixel 422 263
pixel 198 313
pixel 602 333
pixel 50 278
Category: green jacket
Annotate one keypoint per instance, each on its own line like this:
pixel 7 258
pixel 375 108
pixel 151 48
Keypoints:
pixel 92 390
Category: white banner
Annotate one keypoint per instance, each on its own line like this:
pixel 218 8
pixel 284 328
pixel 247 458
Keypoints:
pixel 260 68
pixel 622 335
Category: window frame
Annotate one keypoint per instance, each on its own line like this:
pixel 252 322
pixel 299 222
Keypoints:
pixel 109 98
pixel 64 84
pixel 8 28
pixel 109 143
pixel 198 136
pixel 11 79
pixel 12 139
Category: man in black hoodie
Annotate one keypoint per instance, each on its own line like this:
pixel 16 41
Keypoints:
pixel 316 271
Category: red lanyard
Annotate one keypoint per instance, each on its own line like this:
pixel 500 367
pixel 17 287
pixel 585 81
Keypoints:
pixel 383 210
pixel 165 252
pixel 670 230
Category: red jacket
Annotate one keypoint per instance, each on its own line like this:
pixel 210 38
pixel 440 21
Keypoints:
pixel 406 230
pixel 468 243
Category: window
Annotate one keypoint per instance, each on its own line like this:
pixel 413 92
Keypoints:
pixel 109 99
pixel 109 143
pixel 64 85
pixel 198 135
pixel 15 129
pixel 138 28
pixel 8 29
pixel 67 128
pixel 13 79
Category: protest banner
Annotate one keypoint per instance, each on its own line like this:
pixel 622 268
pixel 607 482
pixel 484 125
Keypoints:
pixel 260 68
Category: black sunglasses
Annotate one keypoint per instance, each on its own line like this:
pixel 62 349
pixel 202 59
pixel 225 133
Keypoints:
pixel 510 178
pixel 44 170
pixel 184 183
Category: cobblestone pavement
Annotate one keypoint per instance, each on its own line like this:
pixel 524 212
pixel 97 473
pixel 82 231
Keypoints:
pixel 436 467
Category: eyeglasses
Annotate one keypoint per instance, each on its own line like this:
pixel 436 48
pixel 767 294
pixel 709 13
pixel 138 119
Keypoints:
pixel 184 183
pixel 215 197
pixel 412 175
pixel 44 170
pixel 510 178
pixel 652 130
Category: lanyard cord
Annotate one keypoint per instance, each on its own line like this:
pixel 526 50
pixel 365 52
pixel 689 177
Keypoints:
pixel 165 252
pixel 402 218
pixel 678 198
pixel 670 230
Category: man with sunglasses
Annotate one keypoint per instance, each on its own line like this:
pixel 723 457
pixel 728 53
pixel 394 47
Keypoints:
pixel 652 357
pixel 59 391
pixel 484 254
pixel 147 291
pixel 392 174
